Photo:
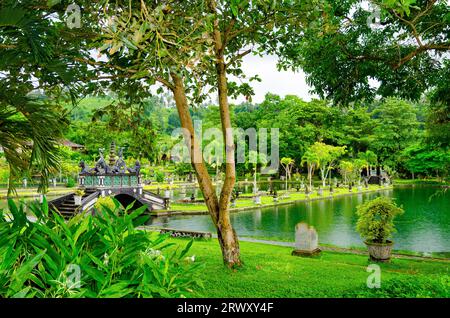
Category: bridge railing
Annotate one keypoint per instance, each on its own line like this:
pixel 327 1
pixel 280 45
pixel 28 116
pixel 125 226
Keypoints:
pixel 89 201
pixel 110 180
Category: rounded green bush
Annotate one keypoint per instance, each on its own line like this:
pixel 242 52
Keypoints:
pixel 376 219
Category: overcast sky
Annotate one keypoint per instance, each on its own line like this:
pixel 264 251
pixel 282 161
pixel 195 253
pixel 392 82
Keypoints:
pixel 273 81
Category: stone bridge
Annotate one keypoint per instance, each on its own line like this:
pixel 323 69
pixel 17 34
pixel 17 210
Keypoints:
pixel 126 188
pixel 115 180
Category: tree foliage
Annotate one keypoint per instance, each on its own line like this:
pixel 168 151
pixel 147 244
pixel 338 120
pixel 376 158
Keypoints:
pixel 401 45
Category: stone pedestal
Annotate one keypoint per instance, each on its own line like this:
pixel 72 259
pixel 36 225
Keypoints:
pixel 306 240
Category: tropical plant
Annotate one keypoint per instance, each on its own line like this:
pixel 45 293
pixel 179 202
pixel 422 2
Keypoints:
pixel 38 70
pixel 376 219
pixel 105 201
pixel 89 256
pixel 346 168
pixel 371 159
pixel 287 164
pixel 256 160
pixel 358 165
pixel 327 156
pixel 79 192
pixel 312 162
pixel 29 135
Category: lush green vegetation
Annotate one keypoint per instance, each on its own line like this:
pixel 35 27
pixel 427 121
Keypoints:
pixel 376 219
pixel 111 258
pixel 268 200
pixel 360 131
pixel 383 104
pixel 271 271
pixel 117 260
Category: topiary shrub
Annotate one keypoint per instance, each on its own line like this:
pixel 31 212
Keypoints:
pixel 159 176
pixel 376 219
pixel 70 182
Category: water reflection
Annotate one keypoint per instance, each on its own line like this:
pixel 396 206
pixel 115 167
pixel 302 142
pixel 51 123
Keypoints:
pixel 425 226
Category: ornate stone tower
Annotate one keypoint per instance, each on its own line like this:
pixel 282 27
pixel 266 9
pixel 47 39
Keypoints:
pixel 112 154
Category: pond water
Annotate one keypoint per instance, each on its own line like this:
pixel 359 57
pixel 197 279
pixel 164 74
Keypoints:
pixel 424 227
pixel 243 187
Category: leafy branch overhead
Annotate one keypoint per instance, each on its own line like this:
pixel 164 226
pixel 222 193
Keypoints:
pixel 391 48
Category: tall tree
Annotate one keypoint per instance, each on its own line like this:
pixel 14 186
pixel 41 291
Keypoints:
pixel 187 47
pixel 312 162
pixel 395 129
pixel 287 163
pixel 326 156
pixel 389 48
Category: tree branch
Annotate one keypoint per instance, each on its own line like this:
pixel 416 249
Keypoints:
pixel 237 57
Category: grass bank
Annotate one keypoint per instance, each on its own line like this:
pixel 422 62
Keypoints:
pixel 431 182
pixel 271 271
pixel 267 201
pixel 32 192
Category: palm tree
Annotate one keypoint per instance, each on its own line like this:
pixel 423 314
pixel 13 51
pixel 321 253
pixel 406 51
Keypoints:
pixel 371 159
pixel 29 136
pixel 38 52
pixel 358 165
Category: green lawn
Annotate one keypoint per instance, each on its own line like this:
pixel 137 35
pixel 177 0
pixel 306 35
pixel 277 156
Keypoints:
pixel 270 271
pixel 266 200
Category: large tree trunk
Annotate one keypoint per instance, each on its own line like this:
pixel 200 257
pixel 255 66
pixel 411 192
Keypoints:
pixel 218 209
pixel 227 236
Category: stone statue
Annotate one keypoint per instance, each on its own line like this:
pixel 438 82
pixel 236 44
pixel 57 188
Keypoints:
pixel 84 167
pixel 120 166
pixel 101 166
pixel 136 169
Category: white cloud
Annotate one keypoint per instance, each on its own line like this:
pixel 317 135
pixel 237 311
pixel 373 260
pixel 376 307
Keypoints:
pixel 273 81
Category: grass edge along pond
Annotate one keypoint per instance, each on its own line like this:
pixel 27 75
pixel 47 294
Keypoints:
pixel 267 200
pixel 271 271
